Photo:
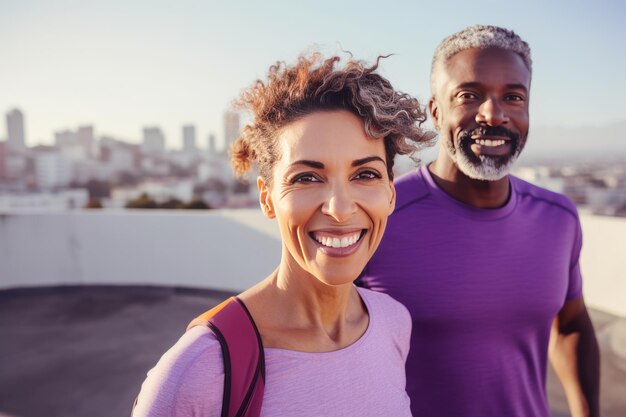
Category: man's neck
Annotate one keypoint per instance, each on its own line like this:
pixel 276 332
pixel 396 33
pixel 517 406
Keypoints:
pixel 476 193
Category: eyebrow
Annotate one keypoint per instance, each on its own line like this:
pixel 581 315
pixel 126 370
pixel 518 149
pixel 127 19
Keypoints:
pixel 312 164
pixel 365 160
pixel 512 86
pixel 355 163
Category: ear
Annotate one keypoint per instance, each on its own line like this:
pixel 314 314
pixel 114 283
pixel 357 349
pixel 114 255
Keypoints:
pixel 265 198
pixel 433 109
pixel 392 202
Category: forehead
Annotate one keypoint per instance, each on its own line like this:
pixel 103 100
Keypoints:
pixel 327 136
pixel 490 67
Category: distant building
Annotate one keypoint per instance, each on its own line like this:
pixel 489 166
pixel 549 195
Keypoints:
pixel 60 200
pixel 80 142
pixel 16 163
pixel 64 138
pixel 16 141
pixel 211 145
pixel 85 137
pixel 541 176
pixel 153 141
pixel 53 170
pixel 214 168
pixel 189 138
pixel 119 156
pixel 3 152
pixel 160 190
pixel 231 128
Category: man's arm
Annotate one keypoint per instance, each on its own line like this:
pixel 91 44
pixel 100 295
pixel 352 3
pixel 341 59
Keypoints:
pixel 575 357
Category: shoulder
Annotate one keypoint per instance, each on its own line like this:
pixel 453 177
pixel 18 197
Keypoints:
pixel 410 188
pixel 537 195
pixel 385 307
pixel 390 320
pixel 190 374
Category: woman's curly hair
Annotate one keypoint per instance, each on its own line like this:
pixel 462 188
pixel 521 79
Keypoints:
pixel 316 84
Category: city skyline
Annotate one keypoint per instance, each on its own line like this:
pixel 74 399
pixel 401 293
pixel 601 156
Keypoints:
pixel 151 135
pixel 121 67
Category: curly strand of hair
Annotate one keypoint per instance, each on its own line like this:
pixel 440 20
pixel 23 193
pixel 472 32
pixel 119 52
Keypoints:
pixel 240 156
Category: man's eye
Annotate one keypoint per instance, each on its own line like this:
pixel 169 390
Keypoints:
pixel 367 175
pixel 468 96
pixel 514 97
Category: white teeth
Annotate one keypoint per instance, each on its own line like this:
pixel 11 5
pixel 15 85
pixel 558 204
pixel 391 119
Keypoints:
pixel 489 142
pixel 335 242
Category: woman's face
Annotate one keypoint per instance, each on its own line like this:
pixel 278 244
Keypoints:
pixel 331 195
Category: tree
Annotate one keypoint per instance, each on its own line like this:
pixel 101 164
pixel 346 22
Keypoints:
pixel 144 201
pixel 172 203
pixel 93 203
pixel 197 204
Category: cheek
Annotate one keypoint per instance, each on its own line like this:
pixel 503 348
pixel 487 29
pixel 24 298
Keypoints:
pixel 376 202
pixel 296 208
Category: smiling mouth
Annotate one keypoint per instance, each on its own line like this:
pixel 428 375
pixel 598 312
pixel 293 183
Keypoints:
pixel 333 240
pixel 489 142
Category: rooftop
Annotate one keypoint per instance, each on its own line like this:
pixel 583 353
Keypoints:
pixel 85 350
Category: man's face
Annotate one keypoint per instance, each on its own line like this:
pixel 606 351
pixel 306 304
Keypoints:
pixel 480 108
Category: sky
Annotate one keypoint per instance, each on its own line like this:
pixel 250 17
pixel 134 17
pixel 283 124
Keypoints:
pixel 124 65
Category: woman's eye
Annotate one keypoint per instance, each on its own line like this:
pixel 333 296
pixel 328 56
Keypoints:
pixel 367 175
pixel 305 178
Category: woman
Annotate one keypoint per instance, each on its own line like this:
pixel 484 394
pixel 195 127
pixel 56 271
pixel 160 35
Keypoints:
pixel 324 139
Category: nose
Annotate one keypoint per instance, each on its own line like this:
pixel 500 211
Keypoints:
pixel 491 113
pixel 339 203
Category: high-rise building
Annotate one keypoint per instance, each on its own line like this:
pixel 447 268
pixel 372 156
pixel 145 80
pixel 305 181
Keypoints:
pixel 211 144
pixel 189 138
pixel 153 141
pixel 15 129
pixel 231 128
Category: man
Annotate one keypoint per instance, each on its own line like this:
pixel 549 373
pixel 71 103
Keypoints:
pixel 486 263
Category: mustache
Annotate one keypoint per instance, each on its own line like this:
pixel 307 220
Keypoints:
pixel 490 131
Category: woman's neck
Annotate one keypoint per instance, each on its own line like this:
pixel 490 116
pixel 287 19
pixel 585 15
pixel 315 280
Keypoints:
pixel 294 310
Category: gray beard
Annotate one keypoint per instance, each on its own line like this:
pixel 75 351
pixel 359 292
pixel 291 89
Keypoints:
pixel 487 169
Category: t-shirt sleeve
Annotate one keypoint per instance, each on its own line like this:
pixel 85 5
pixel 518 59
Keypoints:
pixel 188 380
pixel 575 287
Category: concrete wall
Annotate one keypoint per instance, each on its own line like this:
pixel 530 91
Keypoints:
pixel 603 263
pixel 227 250
pixel 219 249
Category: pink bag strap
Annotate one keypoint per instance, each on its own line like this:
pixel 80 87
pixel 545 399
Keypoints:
pixel 244 361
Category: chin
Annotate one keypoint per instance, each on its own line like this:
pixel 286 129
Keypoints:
pixel 482 167
pixel 338 278
pixel 488 169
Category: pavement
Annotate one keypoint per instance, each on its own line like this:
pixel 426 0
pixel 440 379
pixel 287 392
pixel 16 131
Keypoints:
pixel 84 351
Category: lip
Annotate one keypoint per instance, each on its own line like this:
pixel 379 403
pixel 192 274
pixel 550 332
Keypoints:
pixel 338 233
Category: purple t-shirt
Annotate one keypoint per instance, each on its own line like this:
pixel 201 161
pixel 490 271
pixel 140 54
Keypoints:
pixel 364 379
pixel 483 287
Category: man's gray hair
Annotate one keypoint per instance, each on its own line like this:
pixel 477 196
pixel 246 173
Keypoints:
pixel 481 36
